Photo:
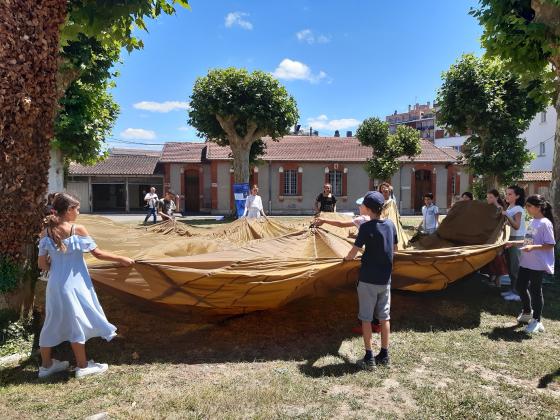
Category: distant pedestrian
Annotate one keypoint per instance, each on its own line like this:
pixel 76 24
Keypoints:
pixel 253 204
pixel 167 207
pixel 49 206
pixel 467 196
pixel 326 201
pixel 151 200
pixel 430 215
pixel 498 266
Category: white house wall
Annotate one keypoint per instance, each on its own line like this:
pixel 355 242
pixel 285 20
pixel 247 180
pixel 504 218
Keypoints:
pixel 539 132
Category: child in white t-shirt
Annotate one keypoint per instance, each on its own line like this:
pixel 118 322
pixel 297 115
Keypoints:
pixel 515 214
pixel 430 215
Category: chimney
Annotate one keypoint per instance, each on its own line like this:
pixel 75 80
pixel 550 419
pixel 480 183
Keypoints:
pixel 336 133
pixel 310 131
pixel 348 133
pixel 395 112
pixel 409 108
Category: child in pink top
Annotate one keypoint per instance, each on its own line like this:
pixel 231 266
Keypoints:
pixel 537 258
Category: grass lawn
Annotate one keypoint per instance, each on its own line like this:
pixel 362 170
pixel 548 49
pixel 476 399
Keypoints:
pixel 457 353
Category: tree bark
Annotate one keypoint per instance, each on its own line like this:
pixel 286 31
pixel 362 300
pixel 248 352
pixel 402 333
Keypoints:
pixel 29 37
pixel 548 14
pixel 555 182
pixel 240 146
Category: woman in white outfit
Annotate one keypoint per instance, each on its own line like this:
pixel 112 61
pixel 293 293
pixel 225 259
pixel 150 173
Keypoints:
pixel 253 205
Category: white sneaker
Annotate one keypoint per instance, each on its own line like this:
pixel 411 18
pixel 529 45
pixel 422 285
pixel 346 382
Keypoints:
pixel 534 327
pixel 504 294
pixel 524 318
pixel 91 369
pixel 512 298
pixel 57 366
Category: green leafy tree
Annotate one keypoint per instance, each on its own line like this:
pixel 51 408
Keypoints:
pixel 526 35
pixel 91 40
pixel 483 97
pixel 387 147
pixel 235 108
pixel 29 106
pixel 87 110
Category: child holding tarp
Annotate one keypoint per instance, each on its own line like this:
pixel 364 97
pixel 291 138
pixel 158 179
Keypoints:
pixel 374 284
pixel 357 222
pixel 537 259
pixel 73 312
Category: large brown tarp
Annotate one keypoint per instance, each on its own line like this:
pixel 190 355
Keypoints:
pixel 268 273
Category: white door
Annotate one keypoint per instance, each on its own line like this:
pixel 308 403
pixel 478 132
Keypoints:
pixel 81 192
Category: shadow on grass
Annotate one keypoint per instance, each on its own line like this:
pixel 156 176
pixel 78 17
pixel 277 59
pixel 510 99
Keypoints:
pixel 513 333
pixel 548 379
pixel 305 330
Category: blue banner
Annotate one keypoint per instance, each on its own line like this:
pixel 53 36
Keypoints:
pixel 240 193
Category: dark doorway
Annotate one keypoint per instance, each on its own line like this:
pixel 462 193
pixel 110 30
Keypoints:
pixel 109 197
pixel 192 191
pixel 423 185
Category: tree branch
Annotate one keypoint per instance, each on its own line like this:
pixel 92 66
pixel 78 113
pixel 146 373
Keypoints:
pixel 228 125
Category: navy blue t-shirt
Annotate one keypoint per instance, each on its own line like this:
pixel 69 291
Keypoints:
pixel 379 237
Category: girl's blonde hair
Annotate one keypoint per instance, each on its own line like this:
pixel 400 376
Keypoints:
pixel 61 203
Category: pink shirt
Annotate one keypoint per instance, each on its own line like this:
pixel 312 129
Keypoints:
pixel 539 232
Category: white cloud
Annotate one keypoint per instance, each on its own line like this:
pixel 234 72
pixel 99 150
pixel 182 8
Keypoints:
pixel 166 106
pixel 138 134
pixel 237 18
pixel 296 70
pixel 307 35
pixel 322 122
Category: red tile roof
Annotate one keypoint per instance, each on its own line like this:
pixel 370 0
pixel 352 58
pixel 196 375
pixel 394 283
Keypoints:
pixel 183 152
pixel 121 162
pixel 537 176
pixel 344 149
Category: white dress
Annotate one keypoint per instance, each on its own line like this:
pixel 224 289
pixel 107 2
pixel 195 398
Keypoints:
pixel 253 207
pixel 73 312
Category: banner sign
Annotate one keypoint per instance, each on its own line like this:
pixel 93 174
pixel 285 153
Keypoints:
pixel 240 193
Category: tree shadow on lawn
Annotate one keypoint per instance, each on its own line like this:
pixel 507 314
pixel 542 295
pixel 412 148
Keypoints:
pixel 549 378
pixel 305 330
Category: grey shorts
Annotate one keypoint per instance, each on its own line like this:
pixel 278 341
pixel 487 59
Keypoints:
pixel 374 299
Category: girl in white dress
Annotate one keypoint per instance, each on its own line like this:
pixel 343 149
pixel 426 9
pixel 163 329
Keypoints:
pixel 73 312
pixel 253 205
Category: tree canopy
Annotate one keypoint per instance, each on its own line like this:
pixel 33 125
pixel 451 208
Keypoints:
pixel 387 147
pixel 87 110
pixel 482 97
pixel 526 35
pixel 91 41
pixel 235 108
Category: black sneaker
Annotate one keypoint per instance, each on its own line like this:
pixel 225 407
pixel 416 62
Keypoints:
pixel 382 360
pixel 367 364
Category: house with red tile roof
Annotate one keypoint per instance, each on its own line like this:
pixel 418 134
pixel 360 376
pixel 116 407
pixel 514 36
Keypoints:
pixel 290 175
pixel 293 170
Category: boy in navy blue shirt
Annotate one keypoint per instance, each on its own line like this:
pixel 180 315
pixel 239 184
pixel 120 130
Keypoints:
pixel 374 285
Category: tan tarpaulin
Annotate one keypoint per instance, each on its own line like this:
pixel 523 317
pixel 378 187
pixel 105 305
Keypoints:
pixel 267 273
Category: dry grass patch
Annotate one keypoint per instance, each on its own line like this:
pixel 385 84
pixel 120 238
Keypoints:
pixel 455 354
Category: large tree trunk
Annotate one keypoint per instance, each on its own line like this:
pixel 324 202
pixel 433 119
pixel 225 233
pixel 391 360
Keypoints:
pixel 240 154
pixel 555 183
pixel 29 37
pixel 548 14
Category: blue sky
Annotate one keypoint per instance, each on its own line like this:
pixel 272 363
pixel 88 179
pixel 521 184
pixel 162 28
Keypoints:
pixel 342 61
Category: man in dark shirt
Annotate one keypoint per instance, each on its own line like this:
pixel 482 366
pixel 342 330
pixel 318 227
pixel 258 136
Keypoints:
pixel 374 285
pixel 326 201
